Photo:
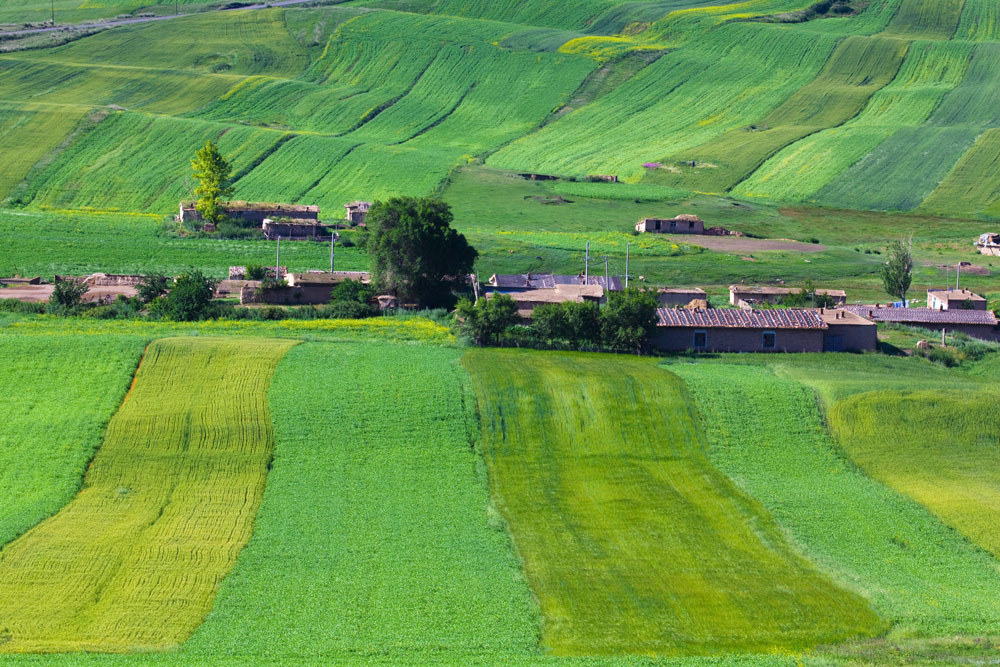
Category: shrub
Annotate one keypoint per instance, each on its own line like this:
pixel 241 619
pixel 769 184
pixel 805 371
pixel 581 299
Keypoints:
pixel 68 293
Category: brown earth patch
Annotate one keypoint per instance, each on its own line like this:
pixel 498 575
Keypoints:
pixel 744 244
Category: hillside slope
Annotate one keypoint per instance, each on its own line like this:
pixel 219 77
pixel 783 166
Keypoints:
pixel 891 108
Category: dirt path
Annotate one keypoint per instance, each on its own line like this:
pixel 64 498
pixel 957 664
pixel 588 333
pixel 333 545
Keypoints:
pixel 147 19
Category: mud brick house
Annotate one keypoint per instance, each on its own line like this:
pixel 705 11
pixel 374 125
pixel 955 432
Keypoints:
pixel 779 330
pixel 954 299
pixel 671 297
pixel 980 324
pixel 522 282
pixel 528 300
pixel 254 211
pixel 356 212
pixel 748 295
pixel 682 224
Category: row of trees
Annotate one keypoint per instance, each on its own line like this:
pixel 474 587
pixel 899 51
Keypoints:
pixel 623 324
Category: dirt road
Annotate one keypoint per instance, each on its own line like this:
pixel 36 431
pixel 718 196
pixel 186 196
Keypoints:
pixel 146 19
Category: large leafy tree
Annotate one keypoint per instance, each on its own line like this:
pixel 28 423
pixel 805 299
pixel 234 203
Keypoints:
pixel 488 319
pixel 213 173
pixel 628 319
pixel 897 272
pixel 189 298
pixel 415 254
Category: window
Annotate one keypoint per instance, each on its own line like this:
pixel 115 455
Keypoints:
pixel 769 340
pixel 700 339
pixel 690 224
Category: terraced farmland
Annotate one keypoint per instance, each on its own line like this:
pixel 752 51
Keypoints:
pixel 133 562
pixel 857 69
pixel 598 465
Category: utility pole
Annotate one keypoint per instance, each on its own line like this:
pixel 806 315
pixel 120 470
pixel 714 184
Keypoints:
pixel 627 244
pixel 277 259
pixel 606 270
pixel 333 245
pixel 958 275
pixel 53 6
pixel 586 265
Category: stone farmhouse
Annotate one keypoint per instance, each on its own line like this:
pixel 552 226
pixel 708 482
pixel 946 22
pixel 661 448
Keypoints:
pixel 356 212
pixel 682 224
pixel 749 295
pixel 779 330
pixel 980 324
pixel 254 211
pixel 954 299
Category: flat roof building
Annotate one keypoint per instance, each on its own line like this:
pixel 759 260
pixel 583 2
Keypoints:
pixel 954 299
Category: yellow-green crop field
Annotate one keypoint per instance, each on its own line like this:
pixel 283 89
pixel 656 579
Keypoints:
pixel 134 561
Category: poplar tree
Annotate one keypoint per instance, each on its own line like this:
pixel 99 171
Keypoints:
pixel 897 272
pixel 213 173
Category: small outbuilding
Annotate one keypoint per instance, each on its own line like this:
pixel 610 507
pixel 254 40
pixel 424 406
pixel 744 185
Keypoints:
pixel 682 224
pixel 673 297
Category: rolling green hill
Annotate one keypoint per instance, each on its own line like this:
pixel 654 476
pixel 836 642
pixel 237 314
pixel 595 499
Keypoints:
pixel 889 108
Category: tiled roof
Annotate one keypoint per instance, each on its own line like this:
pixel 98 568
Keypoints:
pixel 549 281
pixel 782 318
pixel 925 315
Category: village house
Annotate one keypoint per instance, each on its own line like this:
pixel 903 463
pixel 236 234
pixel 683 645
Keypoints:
pixel 954 299
pixel 672 297
pixel 750 295
pixel 356 212
pixel 292 230
pixel 779 330
pixel 310 288
pixel 980 324
pixel 254 212
pixel 682 224
pixel 522 282
pixel 528 300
